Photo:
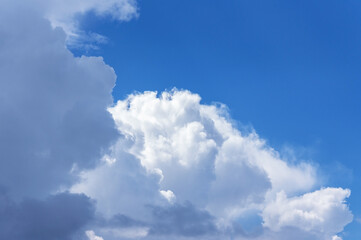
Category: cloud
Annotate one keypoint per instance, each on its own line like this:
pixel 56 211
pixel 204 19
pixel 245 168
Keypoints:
pixel 65 14
pixel 53 107
pixel 323 211
pixel 172 145
pixel 57 217
pixel 169 195
pixel 183 220
pixel 123 187
pixel 91 235
pixel 53 124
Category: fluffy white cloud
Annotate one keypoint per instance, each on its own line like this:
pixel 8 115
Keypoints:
pixel 121 187
pixel 323 211
pixel 175 146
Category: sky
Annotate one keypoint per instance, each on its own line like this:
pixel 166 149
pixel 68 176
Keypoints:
pixel 125 119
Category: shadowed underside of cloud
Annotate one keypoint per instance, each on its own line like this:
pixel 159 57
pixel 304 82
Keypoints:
pixel 152 166
pixel 184 220
pixel 57 217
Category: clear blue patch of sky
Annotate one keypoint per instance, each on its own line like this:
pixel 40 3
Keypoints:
pixel 292 69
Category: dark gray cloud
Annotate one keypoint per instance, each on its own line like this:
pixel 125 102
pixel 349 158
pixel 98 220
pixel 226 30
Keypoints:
pixel 183 220
pixel 177 221
pixel 53 124
pixel 52 106
pixel 56 218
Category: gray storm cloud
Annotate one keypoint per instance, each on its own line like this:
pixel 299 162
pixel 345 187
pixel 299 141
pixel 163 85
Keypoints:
pixel 53 123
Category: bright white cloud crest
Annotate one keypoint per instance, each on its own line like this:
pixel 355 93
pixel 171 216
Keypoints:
pixel 191 152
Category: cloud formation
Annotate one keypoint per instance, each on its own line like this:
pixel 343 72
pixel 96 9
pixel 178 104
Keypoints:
pixel 172 145
pixel 311 212
pixel 152 166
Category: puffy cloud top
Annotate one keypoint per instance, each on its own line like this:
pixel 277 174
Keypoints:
pixel 315 211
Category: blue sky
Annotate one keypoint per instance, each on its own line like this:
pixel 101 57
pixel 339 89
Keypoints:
pixel 286 70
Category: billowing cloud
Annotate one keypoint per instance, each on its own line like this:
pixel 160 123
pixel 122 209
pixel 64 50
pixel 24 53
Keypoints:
pixel 174 147
pixel 321 211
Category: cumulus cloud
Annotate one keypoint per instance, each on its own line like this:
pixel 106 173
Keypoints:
pixel 175 146
pixel 312 212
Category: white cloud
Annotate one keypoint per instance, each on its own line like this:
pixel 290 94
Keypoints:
pixel 91 235
pixel 169 195
pixel 323 211
pixel 174 142
pixel 122 186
